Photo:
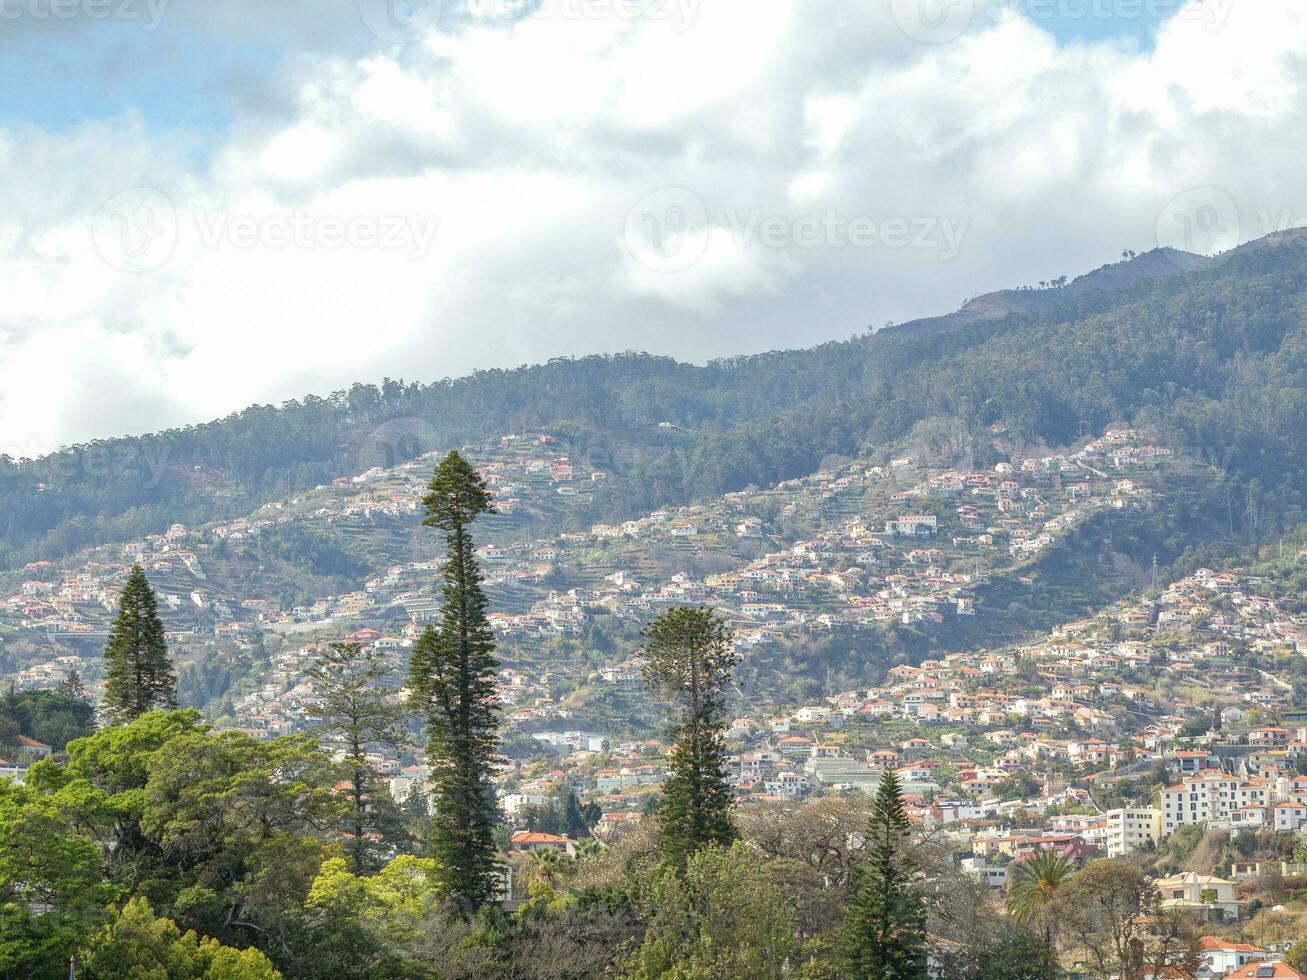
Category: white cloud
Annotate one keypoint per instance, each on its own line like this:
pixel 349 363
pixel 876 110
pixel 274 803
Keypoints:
pixel 525 144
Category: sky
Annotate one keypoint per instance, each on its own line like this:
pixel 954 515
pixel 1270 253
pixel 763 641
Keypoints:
pixel 206 204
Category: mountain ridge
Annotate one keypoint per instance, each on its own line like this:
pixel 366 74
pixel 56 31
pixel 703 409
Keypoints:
pixel 670 431
pixel 1159 263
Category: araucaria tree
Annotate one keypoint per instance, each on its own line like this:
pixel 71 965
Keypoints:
pixel 883 936
pixel 452 678
pixel 357 711
pixel 138 674
pixel 688 662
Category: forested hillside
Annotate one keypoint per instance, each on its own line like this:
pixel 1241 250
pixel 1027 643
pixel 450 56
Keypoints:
pixel 1211 356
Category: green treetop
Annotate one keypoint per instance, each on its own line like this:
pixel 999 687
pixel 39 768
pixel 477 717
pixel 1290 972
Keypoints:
pixel 138 674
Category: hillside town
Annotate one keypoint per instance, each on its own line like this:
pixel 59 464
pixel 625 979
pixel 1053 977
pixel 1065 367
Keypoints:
pixel 1111 736
pixel 856 547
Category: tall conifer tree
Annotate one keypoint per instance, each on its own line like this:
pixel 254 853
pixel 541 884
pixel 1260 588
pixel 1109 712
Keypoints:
pixel 72 685
pixel 452 678
pixel 689 662
pixel 883 935
pixel 138 674
pixel 357 711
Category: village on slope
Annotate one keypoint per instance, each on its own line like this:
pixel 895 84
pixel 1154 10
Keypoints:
pixel 1164 729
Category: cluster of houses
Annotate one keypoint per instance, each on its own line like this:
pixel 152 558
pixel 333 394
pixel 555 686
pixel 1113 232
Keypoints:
pixel 841 565
pixel 961 733
pixel 77 597
pixel 1005 753
pixel 1008 749
pixel 835 562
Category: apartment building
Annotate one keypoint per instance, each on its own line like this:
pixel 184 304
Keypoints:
pixel 1129 829
pixel 1206 798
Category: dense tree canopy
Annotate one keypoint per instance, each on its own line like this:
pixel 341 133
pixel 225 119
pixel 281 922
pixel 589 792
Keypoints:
pixel 54 717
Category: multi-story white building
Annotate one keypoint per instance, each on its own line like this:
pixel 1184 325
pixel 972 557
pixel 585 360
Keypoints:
pixel 1222 801
pixel 1129 829
pixel 1206 798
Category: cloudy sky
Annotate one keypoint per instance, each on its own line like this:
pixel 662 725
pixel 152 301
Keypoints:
pixel 210 203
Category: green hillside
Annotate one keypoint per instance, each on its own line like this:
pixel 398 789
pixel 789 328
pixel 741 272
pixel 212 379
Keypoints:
pixel 1213 357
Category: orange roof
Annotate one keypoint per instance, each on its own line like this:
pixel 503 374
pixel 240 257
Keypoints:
pixel 1273 971
pixel 1210 944
pixel 535 837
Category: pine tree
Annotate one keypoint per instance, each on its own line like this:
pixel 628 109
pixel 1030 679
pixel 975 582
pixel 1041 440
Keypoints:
pixel 10 703
pixel 138 674
pixel 883 935
pixel 357 710
pixel 689 662
pixel 573 817
pixel 72 685
pixel 452 678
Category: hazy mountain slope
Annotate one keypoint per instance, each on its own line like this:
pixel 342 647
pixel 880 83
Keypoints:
pixel 1216 354
pixel 1216 359
pixel 1160 263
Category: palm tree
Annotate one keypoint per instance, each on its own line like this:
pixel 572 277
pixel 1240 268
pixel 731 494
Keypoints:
pixel 1032 888
pixel 549 865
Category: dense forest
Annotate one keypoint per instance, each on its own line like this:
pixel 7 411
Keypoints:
pixel 1211 358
